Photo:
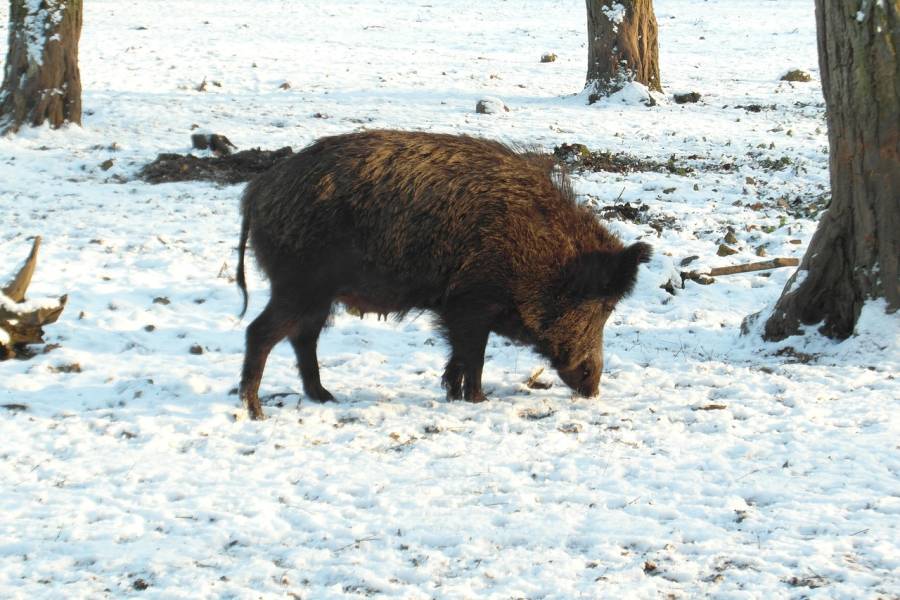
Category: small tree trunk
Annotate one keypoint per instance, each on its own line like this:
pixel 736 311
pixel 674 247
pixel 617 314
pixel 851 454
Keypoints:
pixel 622 46
pixel 854 253
pixel 41 81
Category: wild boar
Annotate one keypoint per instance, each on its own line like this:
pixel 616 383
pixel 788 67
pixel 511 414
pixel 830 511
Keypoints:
pixel 488 238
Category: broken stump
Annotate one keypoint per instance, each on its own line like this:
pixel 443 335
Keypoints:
pixel 21 322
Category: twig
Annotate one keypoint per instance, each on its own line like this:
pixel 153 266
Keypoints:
pixel 357 542
pixel 533 383
pixel 748 474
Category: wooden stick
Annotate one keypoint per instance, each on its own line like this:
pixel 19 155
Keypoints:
pixel 706 278
pixel 757 266
pixel 15 289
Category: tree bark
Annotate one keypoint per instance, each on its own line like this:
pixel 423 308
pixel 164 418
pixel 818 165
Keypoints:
pixel 41 81
pixel 854 253
pixel 622 46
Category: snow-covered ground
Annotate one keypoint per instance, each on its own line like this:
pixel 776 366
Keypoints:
pixel 713 464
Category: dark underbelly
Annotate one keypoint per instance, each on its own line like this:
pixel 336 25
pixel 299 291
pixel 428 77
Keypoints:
pixel 386 298
pixel 361 305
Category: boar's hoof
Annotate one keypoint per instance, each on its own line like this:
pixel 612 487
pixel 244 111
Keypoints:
pixel 476 397
pixel 319 394
pixel 453 392
pixel 452 382
pixel 254 409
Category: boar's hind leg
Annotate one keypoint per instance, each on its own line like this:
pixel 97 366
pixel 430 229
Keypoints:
pixel 468 338
pixel 304 343
pixel 269 328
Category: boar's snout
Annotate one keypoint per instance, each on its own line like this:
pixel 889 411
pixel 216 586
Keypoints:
pixel 583 378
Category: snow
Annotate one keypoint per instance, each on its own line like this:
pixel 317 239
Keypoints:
pixel 713 464
pixel 632 93
pixel 491 106
pixel 799 277
pixel 615 13
pixel 38 16
pixel 29 305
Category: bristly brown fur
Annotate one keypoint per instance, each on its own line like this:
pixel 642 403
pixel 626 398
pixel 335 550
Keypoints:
pixel 471 229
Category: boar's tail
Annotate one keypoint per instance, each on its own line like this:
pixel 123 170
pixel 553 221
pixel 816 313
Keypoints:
pixel 242 245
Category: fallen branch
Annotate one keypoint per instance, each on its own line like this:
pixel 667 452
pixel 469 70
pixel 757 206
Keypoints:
pixel 706 277
pixel 757 266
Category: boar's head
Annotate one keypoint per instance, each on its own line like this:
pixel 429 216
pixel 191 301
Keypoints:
pixel 587 293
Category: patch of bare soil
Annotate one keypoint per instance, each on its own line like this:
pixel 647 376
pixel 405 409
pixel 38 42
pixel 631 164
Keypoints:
pixel 233 168
pixel 636 214
pixel 794 356
pixel 810 581
pixel 579 156
pixel 755 108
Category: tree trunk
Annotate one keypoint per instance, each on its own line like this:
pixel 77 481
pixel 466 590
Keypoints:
pixel 854 253
pixel 41 81
pixel 622 46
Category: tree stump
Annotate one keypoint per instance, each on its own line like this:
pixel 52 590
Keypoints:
pixel 21 322
pixel 622 46
pixel 41 81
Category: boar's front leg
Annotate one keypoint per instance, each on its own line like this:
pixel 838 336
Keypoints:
pixel 468 338
pixel 304 343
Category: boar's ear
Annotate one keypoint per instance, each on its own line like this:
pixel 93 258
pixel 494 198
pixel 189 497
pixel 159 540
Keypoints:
pixel 608 274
